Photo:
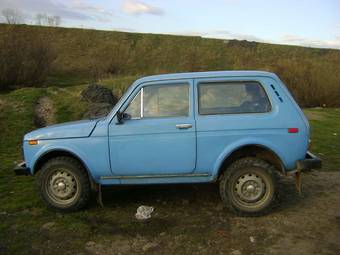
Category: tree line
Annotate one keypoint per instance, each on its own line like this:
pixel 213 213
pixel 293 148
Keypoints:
pixel 15 17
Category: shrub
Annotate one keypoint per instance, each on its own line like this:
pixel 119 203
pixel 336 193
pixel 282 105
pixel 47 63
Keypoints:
pixel 25 58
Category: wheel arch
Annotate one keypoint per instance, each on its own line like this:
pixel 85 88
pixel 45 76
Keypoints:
pixel 251 150
pixel 60 153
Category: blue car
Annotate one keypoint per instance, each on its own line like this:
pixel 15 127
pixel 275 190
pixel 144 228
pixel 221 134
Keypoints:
pixel 236 128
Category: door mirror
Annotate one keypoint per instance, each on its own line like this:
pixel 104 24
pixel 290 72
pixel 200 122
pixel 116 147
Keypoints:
pixel 126 116
pixel 121 116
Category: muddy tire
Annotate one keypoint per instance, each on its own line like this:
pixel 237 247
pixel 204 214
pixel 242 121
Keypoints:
pixel 249 187
pixel 64 185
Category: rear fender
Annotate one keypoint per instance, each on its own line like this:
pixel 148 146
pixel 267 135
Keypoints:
pixel 242 143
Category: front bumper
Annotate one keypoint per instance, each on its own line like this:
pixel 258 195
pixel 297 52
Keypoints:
pixel 21 169
pixel 309 162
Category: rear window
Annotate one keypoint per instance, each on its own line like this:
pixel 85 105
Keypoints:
pixel 232 97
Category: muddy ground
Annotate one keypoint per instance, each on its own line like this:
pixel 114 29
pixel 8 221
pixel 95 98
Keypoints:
pixel 190 219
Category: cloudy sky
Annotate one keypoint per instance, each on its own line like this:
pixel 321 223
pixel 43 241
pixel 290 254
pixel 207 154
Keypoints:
pixel 314 23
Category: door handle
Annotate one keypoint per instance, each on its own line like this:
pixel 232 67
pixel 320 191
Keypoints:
pixel 183 126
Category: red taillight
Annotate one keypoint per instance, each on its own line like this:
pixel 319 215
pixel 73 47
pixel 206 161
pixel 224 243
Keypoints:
pixel 293 130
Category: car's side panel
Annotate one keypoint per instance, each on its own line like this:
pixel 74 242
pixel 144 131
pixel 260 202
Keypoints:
pixel 92 151
pixel 220 135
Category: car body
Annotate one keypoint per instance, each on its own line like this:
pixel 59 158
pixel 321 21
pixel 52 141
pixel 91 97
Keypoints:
pixel 182 128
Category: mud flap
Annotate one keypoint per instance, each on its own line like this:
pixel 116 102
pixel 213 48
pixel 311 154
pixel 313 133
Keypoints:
pixel 298 181
pixel 97 188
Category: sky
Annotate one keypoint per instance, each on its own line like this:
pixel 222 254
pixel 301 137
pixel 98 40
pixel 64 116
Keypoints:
pixel 312 23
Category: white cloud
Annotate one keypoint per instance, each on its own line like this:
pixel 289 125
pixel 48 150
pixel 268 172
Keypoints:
pixel 137 7
pixel 289 39
pixel 125 29
pixel 310 42
pixel 223 34
pixel 83 6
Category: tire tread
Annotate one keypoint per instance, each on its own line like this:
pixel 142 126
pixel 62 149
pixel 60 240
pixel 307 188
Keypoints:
pixel 83 179
pixel 239 164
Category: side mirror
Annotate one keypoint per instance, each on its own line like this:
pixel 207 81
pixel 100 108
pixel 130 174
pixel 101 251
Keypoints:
pixel 126 116
pixel 122 116
pixel 119 117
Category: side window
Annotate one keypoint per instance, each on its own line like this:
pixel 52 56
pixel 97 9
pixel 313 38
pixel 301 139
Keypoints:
pixel 166 101
pixel 133 110
pixel 232 97
pixel 160 101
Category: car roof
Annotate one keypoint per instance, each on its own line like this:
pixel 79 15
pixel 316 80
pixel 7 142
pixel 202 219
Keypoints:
pixel 211 74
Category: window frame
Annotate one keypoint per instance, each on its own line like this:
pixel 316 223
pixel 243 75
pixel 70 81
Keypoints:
pixel 133 98
pixel 231 81
pixel 162 83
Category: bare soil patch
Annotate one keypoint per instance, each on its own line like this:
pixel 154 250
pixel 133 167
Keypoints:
pixel 190 219
pixel 44 112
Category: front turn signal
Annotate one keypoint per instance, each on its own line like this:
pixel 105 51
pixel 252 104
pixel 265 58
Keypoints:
pixel 32 142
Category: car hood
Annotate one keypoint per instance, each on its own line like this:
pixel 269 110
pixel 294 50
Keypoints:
pixel 75 129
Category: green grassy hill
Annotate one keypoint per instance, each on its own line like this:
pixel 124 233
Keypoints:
pixel 80 55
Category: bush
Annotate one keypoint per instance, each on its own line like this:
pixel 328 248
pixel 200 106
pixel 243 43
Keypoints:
pixel 25 58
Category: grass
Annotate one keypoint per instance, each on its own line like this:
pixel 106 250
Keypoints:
pixel 79 55
pixel 22 214
pixel 325 137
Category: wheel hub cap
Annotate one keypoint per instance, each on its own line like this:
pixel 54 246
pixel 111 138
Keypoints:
pixel 62 186
pixel 249 187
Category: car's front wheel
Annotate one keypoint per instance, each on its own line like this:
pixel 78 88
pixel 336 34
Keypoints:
pixel 64 185
pixel 249 186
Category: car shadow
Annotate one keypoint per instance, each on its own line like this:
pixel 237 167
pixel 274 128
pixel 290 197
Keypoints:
pixel 197 195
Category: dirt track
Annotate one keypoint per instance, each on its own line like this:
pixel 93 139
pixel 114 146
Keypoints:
pixel 190 219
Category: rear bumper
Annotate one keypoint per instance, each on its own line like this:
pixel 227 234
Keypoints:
pixel 309 162
pixel 21 169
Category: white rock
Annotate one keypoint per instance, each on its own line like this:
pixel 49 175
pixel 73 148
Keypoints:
pixel 48 225
pixel 149 246
pixel 252 239
pixel 144 212
pixel 236 252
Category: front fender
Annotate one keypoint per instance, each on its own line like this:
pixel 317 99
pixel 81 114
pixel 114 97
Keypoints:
pixel 34 153
pixel 242 143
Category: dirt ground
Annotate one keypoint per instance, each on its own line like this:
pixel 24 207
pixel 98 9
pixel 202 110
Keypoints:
pixel 190 219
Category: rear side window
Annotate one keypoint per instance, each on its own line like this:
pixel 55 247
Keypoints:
pixel 232 97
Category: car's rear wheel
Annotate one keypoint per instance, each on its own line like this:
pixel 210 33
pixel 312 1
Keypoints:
pixel 64 184
pixel 249 186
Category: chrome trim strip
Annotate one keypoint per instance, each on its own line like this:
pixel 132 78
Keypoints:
pixel 142 103
pixel 152 176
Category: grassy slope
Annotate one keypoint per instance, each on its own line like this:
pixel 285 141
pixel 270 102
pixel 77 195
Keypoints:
pixel 81 51
pixel 22 214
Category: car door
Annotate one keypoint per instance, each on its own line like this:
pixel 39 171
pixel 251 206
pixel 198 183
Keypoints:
pixel 157 135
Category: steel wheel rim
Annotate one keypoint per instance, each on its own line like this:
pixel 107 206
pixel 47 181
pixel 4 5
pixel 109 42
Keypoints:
pixel 250 189
pixel 62 187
